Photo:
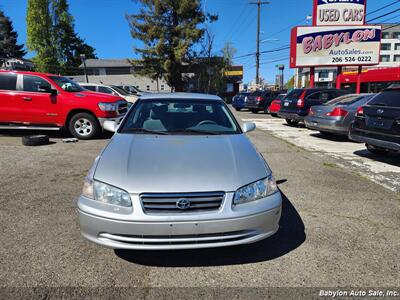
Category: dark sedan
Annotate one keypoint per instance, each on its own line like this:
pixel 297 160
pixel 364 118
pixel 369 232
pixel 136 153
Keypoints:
pixel 261 100
pixel 337 115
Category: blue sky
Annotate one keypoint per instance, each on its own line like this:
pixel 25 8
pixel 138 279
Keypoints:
pixel 103 25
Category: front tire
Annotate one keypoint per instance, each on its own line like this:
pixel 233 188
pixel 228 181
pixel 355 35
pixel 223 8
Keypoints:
pixel 238 108
pixel 376 150
pixel 84 126
pixel 292 122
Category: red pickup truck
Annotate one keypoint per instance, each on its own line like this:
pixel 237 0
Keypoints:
pixel 37 101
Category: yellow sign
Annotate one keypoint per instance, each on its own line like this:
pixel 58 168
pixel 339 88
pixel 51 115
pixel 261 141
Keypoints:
pixel 233 73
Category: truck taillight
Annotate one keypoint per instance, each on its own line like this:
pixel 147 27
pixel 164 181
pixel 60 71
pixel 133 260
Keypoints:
pixel 258 99
pixel 300 102
pixel 337 112
pixel 360 112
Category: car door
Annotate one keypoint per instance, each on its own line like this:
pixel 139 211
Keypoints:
pixel 39 105
pixel 9 102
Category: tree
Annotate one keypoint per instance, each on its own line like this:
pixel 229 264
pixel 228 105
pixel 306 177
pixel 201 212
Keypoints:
pixel 228 52
pixel 290 84
pixel 69 45
pixel 8 39
pixel 40 36
pixel 168 30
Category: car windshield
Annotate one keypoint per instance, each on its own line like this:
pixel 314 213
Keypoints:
pixel 294 94
pixel 183 116
pixel 387 98
pixel 66 84
pixel 120 90
pixel 280 97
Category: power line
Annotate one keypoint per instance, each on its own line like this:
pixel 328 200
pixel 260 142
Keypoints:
pixel 387 14
pixel 383 7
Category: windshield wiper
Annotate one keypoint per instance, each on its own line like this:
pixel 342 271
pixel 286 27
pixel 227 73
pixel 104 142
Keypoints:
pixel 189 130
pixel 143 130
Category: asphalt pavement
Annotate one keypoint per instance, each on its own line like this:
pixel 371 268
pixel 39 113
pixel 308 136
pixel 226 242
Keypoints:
pixel 338 229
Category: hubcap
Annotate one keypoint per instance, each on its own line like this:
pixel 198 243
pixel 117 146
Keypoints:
pixel 83 127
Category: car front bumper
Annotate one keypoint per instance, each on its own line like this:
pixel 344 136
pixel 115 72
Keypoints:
pixel 115 119
pixel 329 125
pixel 173 233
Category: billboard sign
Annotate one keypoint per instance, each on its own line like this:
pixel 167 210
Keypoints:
pixel 339 12
pixel 335 46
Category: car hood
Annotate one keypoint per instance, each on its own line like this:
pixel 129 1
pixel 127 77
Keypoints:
pixel 89 95
pixel 185 163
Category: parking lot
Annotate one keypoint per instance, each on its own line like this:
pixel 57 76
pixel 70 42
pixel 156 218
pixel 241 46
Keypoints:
pixel 338 227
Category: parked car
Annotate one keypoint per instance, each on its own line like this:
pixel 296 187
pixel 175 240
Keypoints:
pixel 378 123
pixel 179 173
pixel 131 89
pixel 239 101
pixel 337 115
pixel 109 89
pixel 38 101
pixel 297 103
pixel 261 100
pixel 276 105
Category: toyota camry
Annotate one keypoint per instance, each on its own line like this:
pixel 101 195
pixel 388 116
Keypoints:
pixel 179 173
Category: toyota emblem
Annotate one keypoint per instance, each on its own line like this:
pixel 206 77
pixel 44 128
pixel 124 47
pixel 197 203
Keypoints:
pixel 183 203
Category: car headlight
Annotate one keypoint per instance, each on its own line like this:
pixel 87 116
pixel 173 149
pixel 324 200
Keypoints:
pixel 105 106
pixel 256 190
pixel 105 193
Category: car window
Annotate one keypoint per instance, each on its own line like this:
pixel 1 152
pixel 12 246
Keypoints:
pixel 180 117
pixel 388 98
pixel 342 99
pixel 90 87
pixel 120 90
pixel 8 82
pixel 66 84
pixel 106 90
pixel 34 83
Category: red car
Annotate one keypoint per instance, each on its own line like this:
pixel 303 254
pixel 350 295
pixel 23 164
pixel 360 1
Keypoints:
pixel 38 101
pixel 276 105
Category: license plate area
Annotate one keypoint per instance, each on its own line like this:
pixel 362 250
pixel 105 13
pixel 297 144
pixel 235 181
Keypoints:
pixel 379 123
pixel 286 104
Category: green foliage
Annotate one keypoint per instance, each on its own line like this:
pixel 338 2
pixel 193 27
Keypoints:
pixel 290 84
pixel 228 53
pixel 52 36
pixel 8 39
pixel 39 36
pixel 168 30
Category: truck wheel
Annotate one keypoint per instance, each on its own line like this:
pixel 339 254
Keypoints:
pixel 35 140
pixel 292 122
pixel 376 150
pixel 238 108
pixel 84 126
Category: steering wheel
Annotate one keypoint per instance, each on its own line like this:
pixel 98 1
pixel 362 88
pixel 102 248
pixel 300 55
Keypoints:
pixel 206 122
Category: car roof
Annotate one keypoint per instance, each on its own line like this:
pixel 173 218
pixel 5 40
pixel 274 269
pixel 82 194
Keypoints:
pixel 95 84
pixel 180 96
pixel 29 73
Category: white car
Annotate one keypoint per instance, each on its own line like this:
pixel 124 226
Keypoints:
pixel 109 89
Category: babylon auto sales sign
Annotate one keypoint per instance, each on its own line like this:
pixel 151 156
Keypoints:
pixel 339 12
pixel 335 46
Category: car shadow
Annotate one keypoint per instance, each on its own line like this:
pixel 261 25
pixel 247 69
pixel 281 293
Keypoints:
pixel 61 134
pixel 331 137
pixel 390 158
pixel 289 237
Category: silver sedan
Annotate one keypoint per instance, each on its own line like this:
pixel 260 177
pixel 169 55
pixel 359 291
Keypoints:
pixel 336 116
pixel 179 173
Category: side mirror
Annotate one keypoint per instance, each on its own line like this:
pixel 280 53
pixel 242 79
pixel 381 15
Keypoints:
pixel 110 126
pixel 248 127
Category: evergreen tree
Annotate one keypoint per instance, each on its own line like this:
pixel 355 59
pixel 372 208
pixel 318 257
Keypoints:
pixel 69 45
pixel 168 30
pixel 8 39
pixel 40 36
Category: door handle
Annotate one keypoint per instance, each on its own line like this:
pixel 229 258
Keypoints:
pixel 27 98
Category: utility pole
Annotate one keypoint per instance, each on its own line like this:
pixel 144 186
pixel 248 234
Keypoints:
pixel 258 3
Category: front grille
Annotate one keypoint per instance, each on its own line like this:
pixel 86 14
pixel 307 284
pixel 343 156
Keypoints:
pixel 122 107
pixel 170 203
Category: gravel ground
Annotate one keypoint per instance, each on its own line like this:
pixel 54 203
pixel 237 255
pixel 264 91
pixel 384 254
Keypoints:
pixel 337 230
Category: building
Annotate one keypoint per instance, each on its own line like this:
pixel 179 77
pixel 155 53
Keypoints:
pixel 119 72
pixel 390 58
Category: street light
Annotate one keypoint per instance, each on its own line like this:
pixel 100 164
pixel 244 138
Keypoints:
pixel 83 58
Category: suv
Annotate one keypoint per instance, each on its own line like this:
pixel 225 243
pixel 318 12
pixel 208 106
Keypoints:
pixel 239 101
pixel 261 100
pixel 39 101
pixel 109 89
pixel 296 105
pixel 378 123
